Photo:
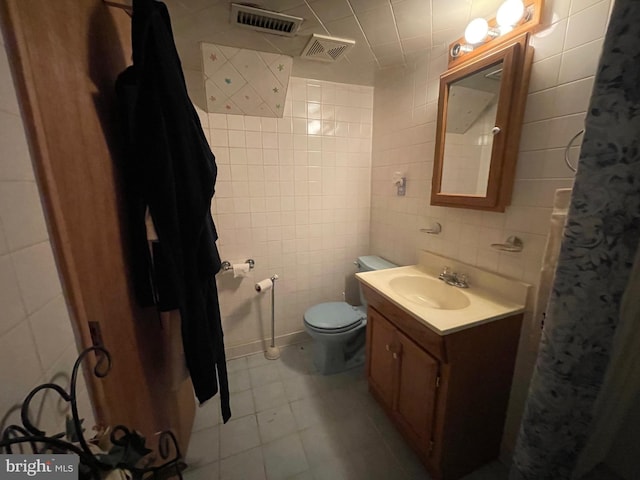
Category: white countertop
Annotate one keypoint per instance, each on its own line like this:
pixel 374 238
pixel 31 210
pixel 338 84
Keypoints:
pixel 485 305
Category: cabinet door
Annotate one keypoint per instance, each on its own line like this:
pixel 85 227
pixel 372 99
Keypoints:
pixel 381 361
pixel 415 400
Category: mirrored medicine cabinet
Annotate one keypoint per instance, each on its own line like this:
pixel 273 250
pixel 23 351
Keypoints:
pixel 480 111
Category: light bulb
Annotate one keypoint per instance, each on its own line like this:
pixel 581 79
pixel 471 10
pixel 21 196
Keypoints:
pixel 476 31
pixel 510 13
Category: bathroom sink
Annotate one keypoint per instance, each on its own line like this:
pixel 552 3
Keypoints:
pixel 444 308
pixel 429 292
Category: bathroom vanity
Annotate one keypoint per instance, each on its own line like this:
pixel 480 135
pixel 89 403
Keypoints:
pixel 441 362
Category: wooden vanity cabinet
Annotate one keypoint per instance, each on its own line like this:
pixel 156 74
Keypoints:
pixel 403 376
pixel 447 394
pixel 381 367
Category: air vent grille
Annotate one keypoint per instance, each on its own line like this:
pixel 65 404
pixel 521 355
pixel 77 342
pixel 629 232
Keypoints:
pixel 315 49
pixel 264 20
pixel 337 51
pixel 326 49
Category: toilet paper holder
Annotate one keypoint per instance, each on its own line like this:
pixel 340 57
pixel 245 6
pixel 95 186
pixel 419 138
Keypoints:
pixel 226 266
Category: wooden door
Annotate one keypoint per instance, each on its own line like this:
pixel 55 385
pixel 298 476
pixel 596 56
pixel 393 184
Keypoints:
pixel 416 391
pixel 66 56
pixel 382 364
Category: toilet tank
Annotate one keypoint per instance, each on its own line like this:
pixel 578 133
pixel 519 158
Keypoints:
pixel 369 263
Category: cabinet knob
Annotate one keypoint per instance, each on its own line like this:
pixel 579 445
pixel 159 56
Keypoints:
pixel 387 347
pixel 395 356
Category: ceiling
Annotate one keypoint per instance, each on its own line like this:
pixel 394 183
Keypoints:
pixel 387 32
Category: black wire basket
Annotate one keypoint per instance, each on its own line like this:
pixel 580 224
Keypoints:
pixel 128 451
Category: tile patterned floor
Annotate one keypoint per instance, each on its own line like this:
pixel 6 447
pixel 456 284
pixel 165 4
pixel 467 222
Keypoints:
pixel 290 423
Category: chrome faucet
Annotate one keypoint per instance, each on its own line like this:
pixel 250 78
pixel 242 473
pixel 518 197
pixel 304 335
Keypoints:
pixel 452 278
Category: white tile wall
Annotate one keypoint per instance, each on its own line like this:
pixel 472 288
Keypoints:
pixel 293 194
pixel 565 61
pixel 36 340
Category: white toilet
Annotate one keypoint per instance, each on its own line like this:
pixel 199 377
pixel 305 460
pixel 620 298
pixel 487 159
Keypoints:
pixel 338 329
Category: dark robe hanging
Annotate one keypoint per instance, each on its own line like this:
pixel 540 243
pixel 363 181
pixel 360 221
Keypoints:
pixel 170 169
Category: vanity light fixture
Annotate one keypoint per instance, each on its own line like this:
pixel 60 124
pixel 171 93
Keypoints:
pixel 514 16
pixel 478 30
pixel 509 14
pixel 460 48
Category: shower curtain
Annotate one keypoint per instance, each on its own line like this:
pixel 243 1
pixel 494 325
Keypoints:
pixel 622 380
pixel 599 246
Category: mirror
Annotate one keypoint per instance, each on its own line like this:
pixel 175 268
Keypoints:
pixel 480 113
pixel 468 140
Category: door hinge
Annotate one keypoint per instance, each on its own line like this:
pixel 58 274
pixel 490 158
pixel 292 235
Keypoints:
pixel 438 381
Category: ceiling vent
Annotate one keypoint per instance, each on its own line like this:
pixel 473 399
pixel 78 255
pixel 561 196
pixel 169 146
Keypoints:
pixel 264 20
pixel 326 49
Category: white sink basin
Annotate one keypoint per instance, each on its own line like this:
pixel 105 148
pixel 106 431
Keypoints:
pixel 429 292
pixel 444 308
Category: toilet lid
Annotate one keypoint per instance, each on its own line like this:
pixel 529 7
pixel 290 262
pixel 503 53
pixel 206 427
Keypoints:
pixel 334 316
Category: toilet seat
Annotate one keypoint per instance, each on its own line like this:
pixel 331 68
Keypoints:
pixel 334 317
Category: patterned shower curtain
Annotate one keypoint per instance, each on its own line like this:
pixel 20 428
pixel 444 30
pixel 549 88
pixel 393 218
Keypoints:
pixel 600 241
